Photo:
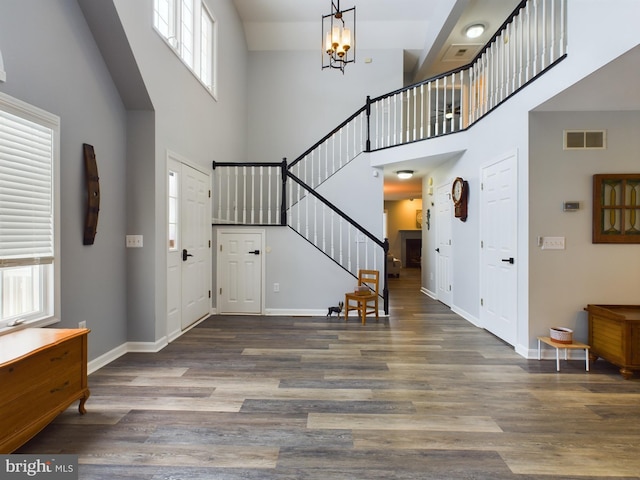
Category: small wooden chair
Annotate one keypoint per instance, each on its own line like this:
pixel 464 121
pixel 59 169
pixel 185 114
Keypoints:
pixel 362 301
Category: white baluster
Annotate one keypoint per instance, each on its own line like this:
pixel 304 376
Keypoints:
pixel 429 107
pixel 324 232
pixel 563 25
pixel 552 31
pixel 437 109
pixel 422 103
pixel 463 102
pixel 444 105
pixel 340 250
pixel 219 178
pixel 251 208
pixel 269 180
pixel 544 46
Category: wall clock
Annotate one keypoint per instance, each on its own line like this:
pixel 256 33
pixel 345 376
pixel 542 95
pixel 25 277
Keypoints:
pixel 460 194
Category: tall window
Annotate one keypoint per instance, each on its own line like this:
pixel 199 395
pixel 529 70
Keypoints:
pixel 189 29
pixel 28 246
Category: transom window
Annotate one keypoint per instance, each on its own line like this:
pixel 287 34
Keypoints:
pixel 28 230
pixel 189 29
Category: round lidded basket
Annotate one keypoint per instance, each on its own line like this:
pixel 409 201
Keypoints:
pixel 561 334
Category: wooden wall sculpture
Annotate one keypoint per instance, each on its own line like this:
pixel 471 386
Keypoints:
pixel 93 195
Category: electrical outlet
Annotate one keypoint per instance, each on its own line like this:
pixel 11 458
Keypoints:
pixel 134 241
pixel 82 324
pixel 276 287
pixel 552 243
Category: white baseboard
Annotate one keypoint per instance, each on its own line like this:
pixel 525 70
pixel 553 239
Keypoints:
pixel 147 347
pixel 286 312
pixel 143 347
pixel 428 293
pixel 467 316
pixel 107 358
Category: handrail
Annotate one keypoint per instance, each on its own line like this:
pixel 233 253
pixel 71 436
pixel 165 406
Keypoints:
pixel 327 136
pixel 313 192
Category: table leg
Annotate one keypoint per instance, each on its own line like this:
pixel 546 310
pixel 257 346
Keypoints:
pixel 557 359
pixel 538 349
pixel 586 358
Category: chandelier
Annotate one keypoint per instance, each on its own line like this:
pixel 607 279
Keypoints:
pixel 338 37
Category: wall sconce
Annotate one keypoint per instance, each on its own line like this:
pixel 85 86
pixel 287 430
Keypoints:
pixel 404 174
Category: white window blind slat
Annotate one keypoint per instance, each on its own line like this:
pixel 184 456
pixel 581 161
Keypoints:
pixel 26 203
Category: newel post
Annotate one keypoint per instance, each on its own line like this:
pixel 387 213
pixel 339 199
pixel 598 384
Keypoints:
pixel 385 284
pixel 283 203
pixel 368 110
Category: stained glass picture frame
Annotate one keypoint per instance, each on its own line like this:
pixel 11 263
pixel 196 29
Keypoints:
pixel 616 208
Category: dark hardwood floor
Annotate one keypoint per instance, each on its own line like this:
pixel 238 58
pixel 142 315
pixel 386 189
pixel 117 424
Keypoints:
pixel 422 394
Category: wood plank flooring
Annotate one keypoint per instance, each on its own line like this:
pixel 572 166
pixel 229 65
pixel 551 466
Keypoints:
pixel 422 394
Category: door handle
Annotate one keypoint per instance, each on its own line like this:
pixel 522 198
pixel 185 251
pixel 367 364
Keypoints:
pixel 438 250
pixel 255 252
pixel 185 254
pixel 510 260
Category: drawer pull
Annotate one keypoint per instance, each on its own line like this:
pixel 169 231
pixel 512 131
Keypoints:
pixel 61 357
pixel 60 388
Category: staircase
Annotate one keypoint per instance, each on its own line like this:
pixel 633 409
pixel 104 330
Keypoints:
pixel 530 42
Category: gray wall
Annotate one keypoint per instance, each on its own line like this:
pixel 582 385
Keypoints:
pixel 188 122
pixel 53 63
pixel 293 103
pixel 563 282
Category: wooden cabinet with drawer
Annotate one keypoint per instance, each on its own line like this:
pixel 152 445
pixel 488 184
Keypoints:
pixel 614 335
pixel 42 372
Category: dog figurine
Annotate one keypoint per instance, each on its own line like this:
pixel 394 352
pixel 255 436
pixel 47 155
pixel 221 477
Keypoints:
pixel 337 310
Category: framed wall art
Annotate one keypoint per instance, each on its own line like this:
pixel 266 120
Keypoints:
pixel 616 208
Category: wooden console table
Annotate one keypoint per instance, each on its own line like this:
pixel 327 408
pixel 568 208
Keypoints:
pixel 614 335
pixel 42 372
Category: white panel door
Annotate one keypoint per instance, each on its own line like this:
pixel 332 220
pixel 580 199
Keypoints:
pixel 499 260
pixel 195 228
pixel 240 264
pixel 443 244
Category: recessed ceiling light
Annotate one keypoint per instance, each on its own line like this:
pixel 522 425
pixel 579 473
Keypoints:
pixel 474 31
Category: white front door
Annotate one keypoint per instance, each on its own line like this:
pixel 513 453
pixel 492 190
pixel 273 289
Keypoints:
pixel 195 227
pixel 443 244
pixel 499 261
pixel 240 271
pixel 188 227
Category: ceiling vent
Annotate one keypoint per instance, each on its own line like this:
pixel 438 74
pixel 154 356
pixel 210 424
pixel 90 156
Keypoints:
pixel 461 52
pixel 585 139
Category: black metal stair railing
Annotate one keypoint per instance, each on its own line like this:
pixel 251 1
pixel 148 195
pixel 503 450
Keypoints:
pixel 268 194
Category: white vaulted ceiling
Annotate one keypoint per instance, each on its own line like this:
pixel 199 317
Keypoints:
pixel 423 29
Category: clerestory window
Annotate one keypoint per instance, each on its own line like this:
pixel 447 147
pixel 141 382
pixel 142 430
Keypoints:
pixel 29 259
pixel 189 28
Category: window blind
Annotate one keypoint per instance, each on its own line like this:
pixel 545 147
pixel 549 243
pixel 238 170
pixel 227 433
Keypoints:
pixel 26 192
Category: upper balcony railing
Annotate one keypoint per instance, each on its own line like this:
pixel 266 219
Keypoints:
pixel 530 41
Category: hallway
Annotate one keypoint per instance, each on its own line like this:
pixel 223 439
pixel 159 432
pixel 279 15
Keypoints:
pixel 422 394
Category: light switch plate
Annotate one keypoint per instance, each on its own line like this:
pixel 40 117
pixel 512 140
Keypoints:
pixel 134 241
pixel 552 243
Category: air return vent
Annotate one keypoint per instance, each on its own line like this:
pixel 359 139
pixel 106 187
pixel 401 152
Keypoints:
pixel 461 52
pixel 585 139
